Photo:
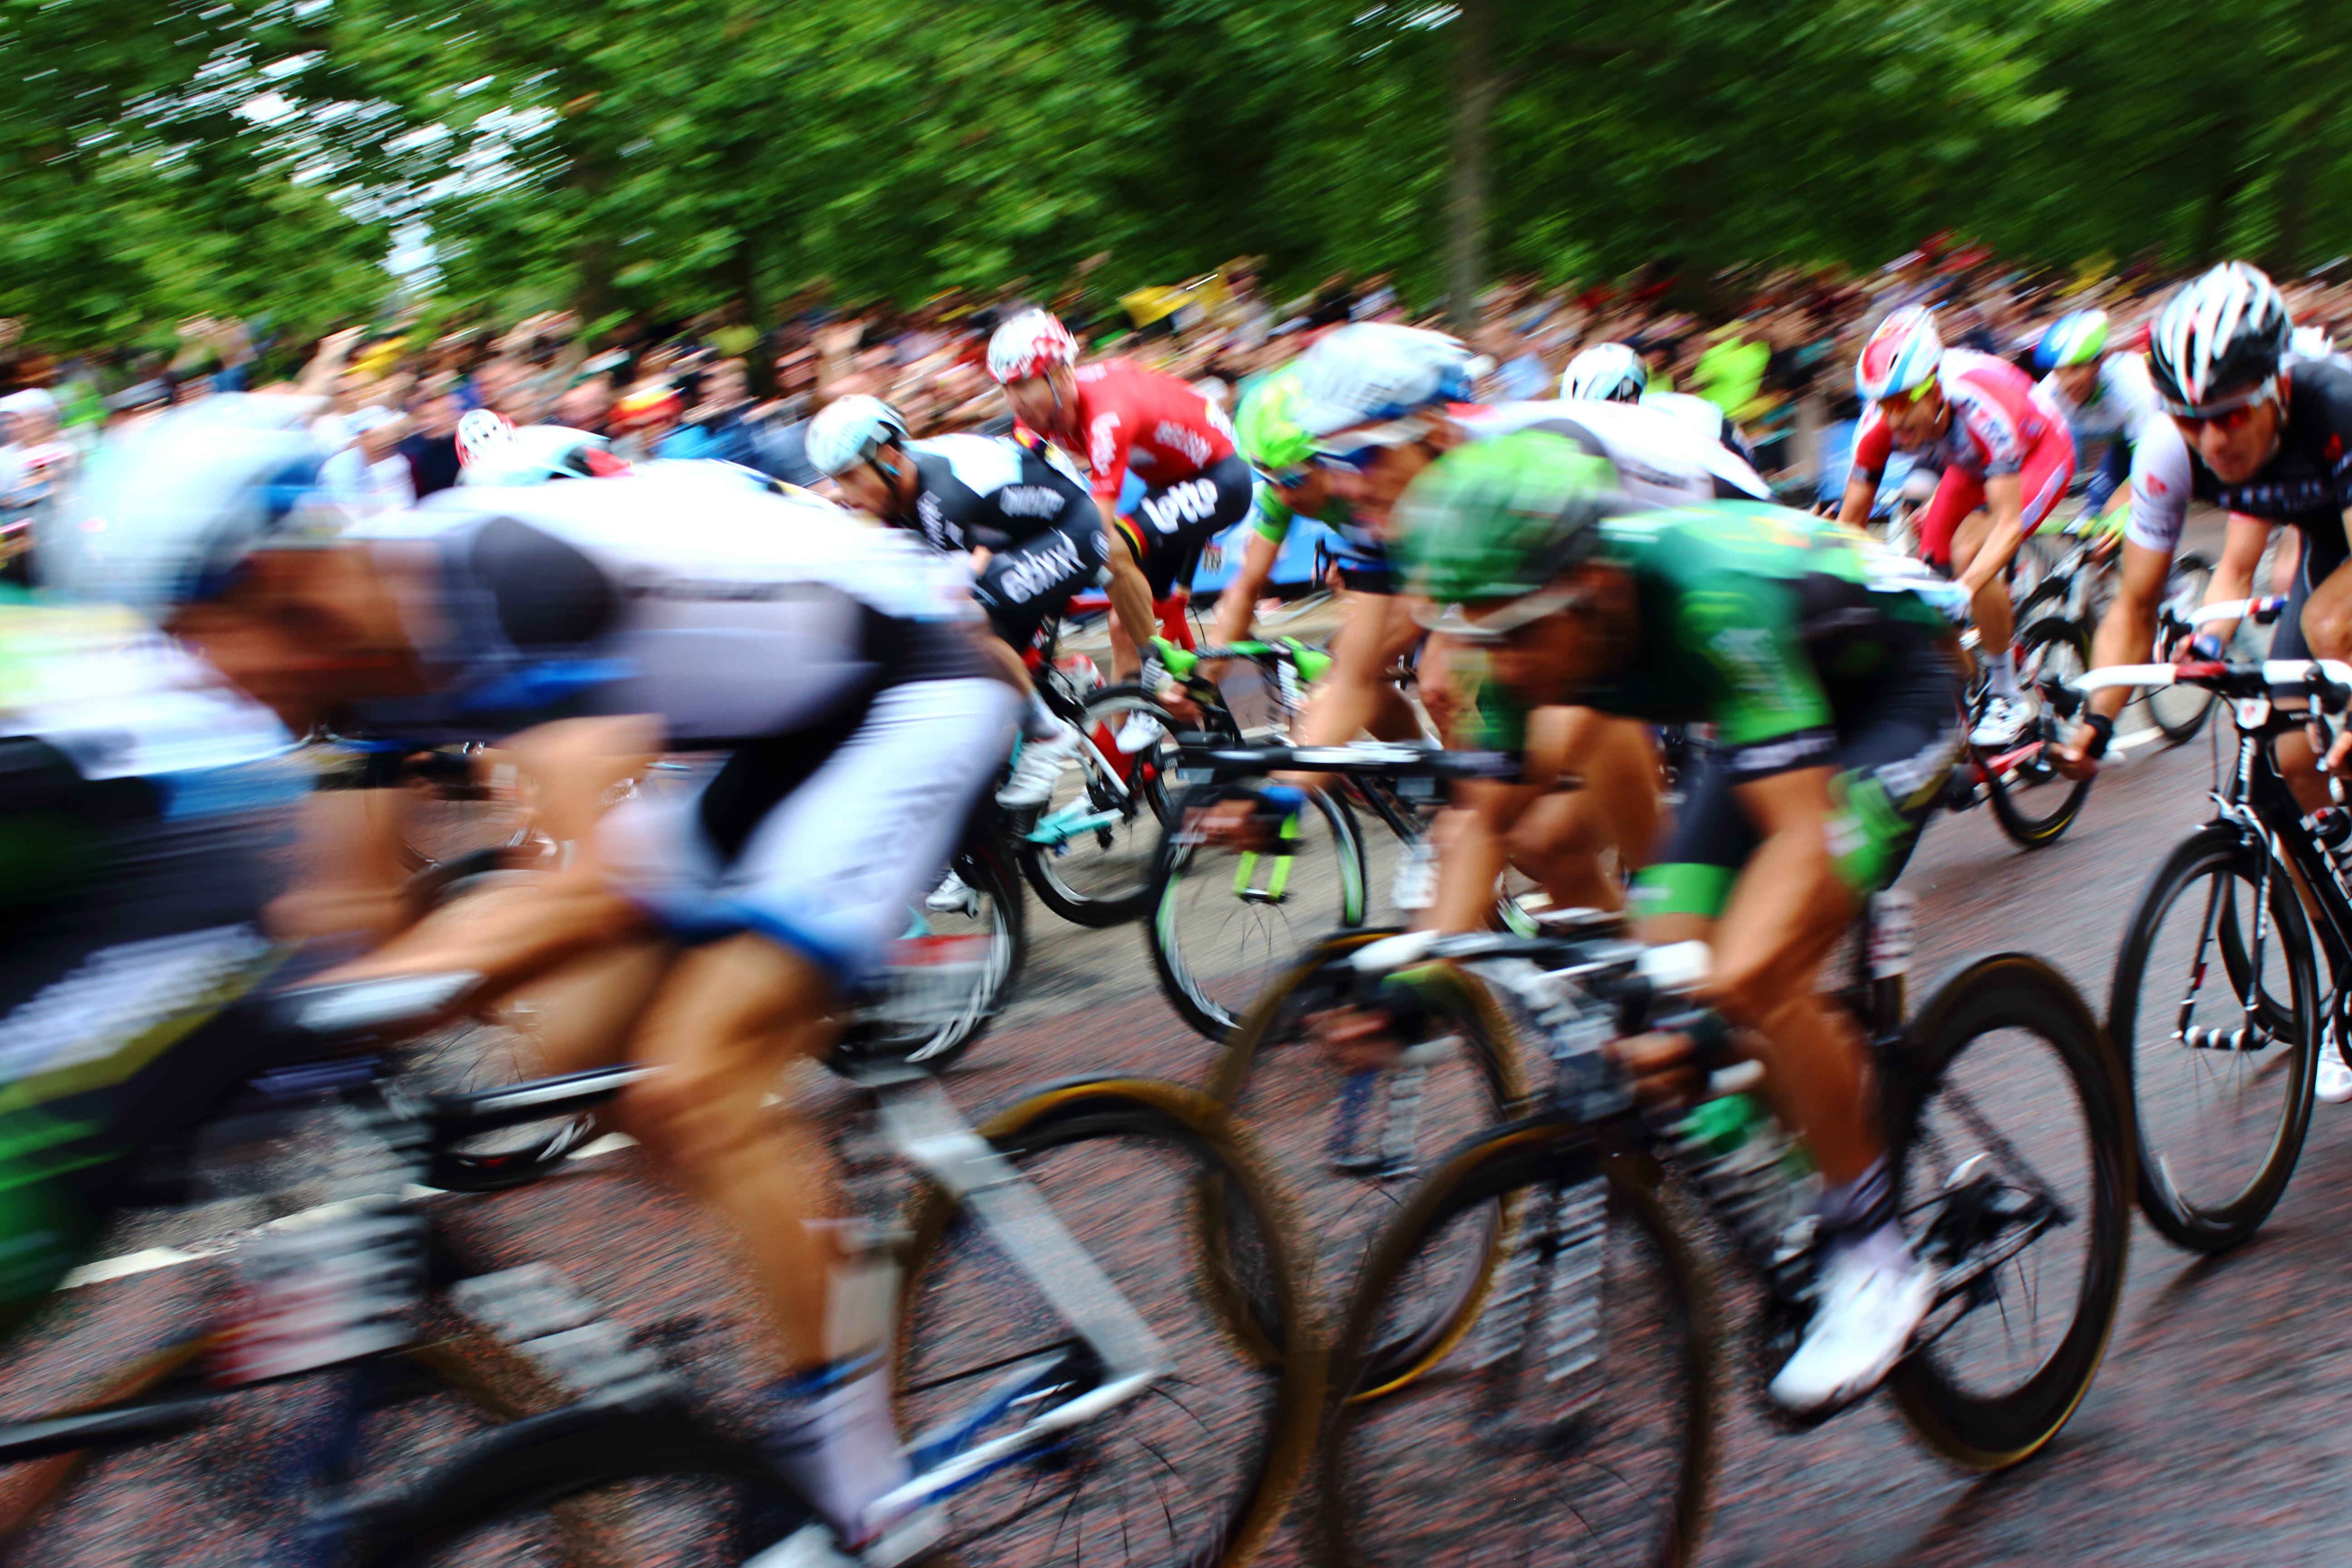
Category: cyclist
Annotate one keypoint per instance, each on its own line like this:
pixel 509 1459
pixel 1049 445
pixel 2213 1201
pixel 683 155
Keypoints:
pixel 2105 397
pixel 1124 417
pixel 1292 486
pixel 1615 372
pixel 2004 448
pixel 490 451
pixel 1821 661
pixel 652 614
pixel 1020 513
pixel 2268 441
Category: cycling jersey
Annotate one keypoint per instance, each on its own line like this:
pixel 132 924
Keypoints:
pixel 834 660
pixel 1704 418
pixel 1660 459
pixel 991 492
pixel 2121 405
pixel 2307 482
pixel 1027 504
pixel 1805 643
pixel 2001 424
pixel 1161 428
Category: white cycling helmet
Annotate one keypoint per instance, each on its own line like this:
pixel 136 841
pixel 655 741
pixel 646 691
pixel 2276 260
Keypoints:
pixel 1901 356
pixel 850 430
pixel 165 514
pixel 1029 345
pixel 535 454
pixel 2222 334
pixel 1605 372
pixel 2306 343
pixel 1374 372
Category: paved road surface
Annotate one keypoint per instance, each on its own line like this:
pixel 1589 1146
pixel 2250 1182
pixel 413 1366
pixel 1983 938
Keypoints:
pixel 2216 1434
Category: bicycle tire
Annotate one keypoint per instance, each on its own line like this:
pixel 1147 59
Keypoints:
pixel 2013 995
pixel 1535 1154
pixel 1177 959
pixel 544 1462
pixel 984 871
pixel 1262 1323
pixel 2178 712
pixel 2217 849
pixel 1145 784
pixel 1333 1206
pixel 2050 640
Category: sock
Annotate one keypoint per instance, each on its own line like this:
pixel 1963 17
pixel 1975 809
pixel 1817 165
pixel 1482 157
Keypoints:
pixel 1038 721
pixel 2000 673
pixel 831 1432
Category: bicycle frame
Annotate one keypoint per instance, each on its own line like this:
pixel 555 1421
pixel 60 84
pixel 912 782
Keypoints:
pixel 2257 798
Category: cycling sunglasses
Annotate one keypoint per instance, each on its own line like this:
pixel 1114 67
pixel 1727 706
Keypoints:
pixel 1501 623
pixel 2228 413
pixel 1357 450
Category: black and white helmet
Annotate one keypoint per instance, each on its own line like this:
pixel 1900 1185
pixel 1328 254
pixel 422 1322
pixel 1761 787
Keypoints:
pixel 1605 372
pixel 850 430
pixel 2223 333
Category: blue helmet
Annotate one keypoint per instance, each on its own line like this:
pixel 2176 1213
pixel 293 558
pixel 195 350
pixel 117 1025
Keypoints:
pixel 2078 337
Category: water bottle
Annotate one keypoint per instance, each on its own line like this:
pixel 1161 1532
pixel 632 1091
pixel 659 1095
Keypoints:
pixel 2332 826
pixel 1754 1174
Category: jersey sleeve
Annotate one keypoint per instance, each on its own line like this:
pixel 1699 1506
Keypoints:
pixel 1108 440
pixel 1270 516
pixel 1874 442
pixel 2160 477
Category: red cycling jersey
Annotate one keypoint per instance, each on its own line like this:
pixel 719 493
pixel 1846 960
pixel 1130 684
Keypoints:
pixel 1131 418
pixel 2002 423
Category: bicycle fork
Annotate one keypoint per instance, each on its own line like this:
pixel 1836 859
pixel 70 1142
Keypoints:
pixel 1551 1284
pixel 2248 1035
pixel 921 1120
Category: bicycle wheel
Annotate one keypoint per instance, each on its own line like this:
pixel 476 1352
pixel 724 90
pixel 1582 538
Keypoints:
pixel 943 981
pixel 1584 1395
pixel 2220 1114
pixel 2013 1169
pixel 1225 922
pixel 582 1485
pixel 2035 804
pixel 2179 712
pixel 1197 1470
pixel 1349 1148
pixel 1088 853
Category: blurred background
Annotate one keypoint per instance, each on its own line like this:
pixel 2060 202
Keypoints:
pixel 681 224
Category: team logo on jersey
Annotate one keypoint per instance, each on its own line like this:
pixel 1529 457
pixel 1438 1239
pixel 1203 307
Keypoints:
pixel 935 524
pixel 1102 443
pixel 1176 437
pixel 1194 500
pixel 1029 501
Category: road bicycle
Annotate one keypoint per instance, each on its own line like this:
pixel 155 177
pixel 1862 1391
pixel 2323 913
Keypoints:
pixel 1225 920
pixel 1072 1396
pixel 1531 1356
pixel 2222 1055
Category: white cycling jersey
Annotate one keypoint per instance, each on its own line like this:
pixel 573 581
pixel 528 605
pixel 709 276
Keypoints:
pixel 2119 408
pixel 2124 408
pixel 1661 458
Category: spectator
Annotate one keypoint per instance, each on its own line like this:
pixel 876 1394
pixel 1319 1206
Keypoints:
pixel 431 448
pixel 370 476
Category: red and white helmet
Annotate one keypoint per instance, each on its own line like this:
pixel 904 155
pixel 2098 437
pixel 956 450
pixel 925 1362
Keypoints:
pixel 1029 345
pixel 483 433
pixel 1901 356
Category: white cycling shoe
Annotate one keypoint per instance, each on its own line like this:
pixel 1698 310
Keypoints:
pixel 2332 1086
pixel 1874 1297
pixel 814 1546
pixel 1140 733
pixel 954 896
pixel 2004 721
pixel 1035 769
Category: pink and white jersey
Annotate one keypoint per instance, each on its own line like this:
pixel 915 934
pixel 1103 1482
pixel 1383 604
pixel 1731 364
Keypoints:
pixel 1999 415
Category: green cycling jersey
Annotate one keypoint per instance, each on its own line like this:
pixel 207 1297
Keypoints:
pixel 1751 617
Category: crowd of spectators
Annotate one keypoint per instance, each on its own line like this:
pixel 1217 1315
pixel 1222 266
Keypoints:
pixel 1772 347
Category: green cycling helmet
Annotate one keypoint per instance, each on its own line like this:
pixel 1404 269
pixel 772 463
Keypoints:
pixel 1499 520
pixel 1266 428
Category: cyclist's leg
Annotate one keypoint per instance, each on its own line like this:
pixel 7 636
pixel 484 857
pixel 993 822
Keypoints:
pixel 1561 840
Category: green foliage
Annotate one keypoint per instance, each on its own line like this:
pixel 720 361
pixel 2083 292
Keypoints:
pixel 663 157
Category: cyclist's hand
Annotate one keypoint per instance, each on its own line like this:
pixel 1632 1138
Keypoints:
pixel 2073 760
pixel 2340 753
pixel 1664 1067
pixel 1356 1039
pixel 1173 697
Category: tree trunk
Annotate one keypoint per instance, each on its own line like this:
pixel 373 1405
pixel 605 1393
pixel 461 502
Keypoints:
pixel 1475 88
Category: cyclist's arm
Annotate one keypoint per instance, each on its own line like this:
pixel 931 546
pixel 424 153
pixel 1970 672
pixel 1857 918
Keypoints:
pixel 1861 490
pixel 2127 636
pixel 1237 606
pixel 1471 836
pixel 1871 445
pixel 2327 616
pixel 2005 499
pixel 2234 575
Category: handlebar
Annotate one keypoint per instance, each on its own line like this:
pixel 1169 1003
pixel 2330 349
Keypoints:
pixel 1382 758
pixel 2261 610
pixel 2322 677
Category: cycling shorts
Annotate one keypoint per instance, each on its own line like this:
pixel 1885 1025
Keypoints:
pixel 1170 526
pixel 825 840
pixel 123 1028
pixel 1026 582
pixel 1895 744
pixel 2049 469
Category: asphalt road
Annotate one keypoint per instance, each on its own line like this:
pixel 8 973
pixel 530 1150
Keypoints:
pixel 2214 1436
